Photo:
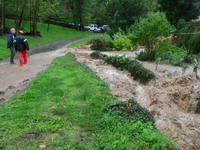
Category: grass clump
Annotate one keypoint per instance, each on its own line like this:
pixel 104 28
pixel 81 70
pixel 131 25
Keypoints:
pixel 135 68
pixel 64 108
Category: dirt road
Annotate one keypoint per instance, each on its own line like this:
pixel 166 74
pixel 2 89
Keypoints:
pixel 15 79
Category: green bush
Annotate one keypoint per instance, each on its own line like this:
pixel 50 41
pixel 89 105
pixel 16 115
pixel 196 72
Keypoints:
pixel 102 43
pixel 97 55
pixel 118 41
pixel 194 43
pixel 99 44
pixel 188 40
pixel 189 59
pixel 198 106
pixel 166 51
pixel 122 42
pixel 126 125
pixel 146 56
pixel 147 30
pixel 130 110
pixel 111 32
pixel 135 68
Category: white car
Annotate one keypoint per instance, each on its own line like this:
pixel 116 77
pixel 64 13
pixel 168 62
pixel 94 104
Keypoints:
pixel 92 27
pixel 86 28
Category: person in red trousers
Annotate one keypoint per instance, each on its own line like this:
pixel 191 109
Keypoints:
pixel 21 46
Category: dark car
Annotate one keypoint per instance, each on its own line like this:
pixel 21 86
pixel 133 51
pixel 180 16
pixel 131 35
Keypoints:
pixel 105 28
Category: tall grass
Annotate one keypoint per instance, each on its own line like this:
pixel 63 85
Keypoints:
pixel 55 33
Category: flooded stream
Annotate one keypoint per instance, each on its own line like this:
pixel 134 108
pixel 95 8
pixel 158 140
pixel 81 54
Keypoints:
pixel 170 97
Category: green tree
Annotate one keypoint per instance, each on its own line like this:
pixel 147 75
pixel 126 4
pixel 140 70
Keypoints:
pixel 179 9
pixel 123 13
pixel 97 12
pixel 51 10
pixel 78 8
pixel 151 5
pixel 147 30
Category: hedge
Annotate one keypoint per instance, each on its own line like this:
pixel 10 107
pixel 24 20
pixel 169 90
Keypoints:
pixel 139 72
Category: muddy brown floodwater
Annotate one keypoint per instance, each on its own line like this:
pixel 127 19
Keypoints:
pixel 170 97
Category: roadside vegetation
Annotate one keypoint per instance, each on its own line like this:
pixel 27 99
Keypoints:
pixel 69 107
pixel 55 33
pixel 163 43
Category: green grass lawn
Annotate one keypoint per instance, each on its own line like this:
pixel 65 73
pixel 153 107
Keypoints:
pixel 55 33
pixel 65 109
pixel 83 41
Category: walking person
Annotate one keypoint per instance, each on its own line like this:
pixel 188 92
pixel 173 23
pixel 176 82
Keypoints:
pixel 10 44
pixel 21 45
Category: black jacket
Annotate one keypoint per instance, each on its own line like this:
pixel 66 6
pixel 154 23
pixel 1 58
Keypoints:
pixel 10 39
pixel 21 43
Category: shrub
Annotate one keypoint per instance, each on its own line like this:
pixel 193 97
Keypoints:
pixel 198 106
pixel 146 56
pixel 148 29
pixel 194 44
pixel 111 32
pixel 189 59
pixel 130 110
pixel 97 55
pixel 135 68
pixel 126 125
pixel 109 40
pixel 181 24
pixel 188 40
pixel 99 44
pixel 122 42
pixel 168 51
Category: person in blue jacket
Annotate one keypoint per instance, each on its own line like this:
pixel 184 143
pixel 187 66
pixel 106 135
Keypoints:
pixel 11 37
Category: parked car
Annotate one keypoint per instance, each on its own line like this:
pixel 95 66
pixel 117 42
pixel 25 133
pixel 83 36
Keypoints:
pixel 105 28
pixel 97 30
pixel 86 28
pixel 92 27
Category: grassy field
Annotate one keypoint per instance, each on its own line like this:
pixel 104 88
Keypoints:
pixel 68 107
pixel 55 33
pixel 83 41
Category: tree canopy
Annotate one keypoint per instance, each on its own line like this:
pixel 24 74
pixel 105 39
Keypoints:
pixel 179 9
pixel 79 13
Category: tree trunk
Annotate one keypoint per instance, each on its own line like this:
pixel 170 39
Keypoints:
pixel 17 17
pixel 48 27
pixel 2 26
pixel 35 11
pixel 30 16
pixel 21 15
